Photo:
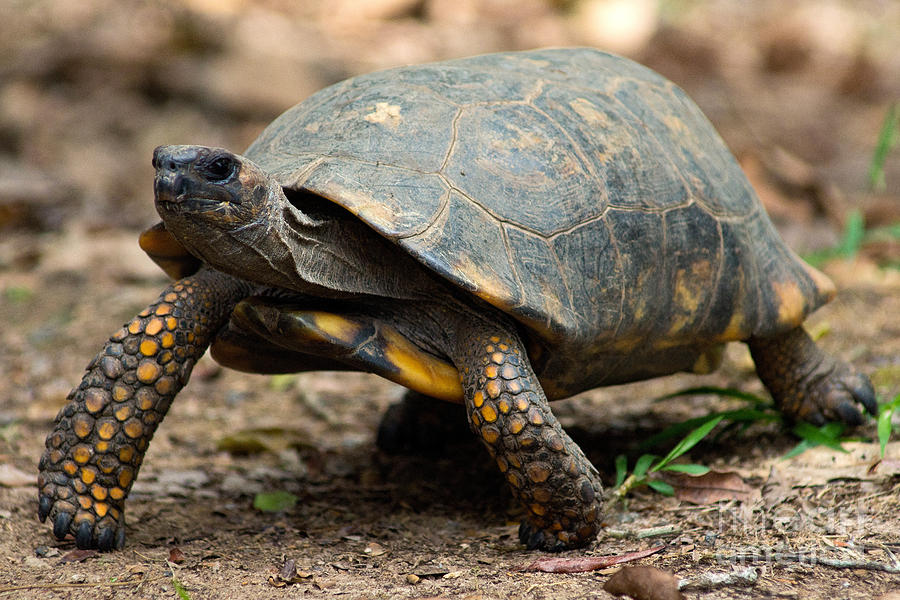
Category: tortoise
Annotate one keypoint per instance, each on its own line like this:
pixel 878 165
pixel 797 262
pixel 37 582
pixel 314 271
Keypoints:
pixel 496 231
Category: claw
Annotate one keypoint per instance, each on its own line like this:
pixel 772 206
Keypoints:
pixel 848 413
pixel 44 506
pixel 865 395
pixel 61 524
pixel 106 538
pixel 84 535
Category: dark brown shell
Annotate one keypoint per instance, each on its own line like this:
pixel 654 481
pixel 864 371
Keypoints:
pixel 578 191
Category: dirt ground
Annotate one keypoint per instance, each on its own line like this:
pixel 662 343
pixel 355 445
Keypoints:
pixel 88 89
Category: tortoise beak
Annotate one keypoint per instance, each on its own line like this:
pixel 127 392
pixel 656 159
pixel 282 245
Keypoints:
pixel 179 184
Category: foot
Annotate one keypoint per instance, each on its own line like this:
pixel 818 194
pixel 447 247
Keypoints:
pixel 807 383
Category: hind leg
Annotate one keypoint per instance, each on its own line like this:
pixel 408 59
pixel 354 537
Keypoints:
pixel 419 424
pixel 807 383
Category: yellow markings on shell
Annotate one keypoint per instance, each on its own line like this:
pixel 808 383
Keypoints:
pixel 709 360
pixel 385 113
pixel 691 286
pixel 735 330
pixel 791 303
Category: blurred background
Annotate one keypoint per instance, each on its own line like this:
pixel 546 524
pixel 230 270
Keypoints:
pixel 800 91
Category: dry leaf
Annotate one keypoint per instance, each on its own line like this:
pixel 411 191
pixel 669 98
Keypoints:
pixel 176 556
pixel 643 583
pixel 78 555
pixel 713 486
pixel 582 564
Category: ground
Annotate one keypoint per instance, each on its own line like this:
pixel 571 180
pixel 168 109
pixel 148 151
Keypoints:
pixel 86 94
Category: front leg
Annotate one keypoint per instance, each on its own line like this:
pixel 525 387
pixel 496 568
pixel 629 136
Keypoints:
pixel 98 444
pixel 547 472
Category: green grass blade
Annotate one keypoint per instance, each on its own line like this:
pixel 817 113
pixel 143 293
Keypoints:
pixel 884 428
pixel 887 139
pixel 621 469
pixel 757 401
pixel 662 487
pixel 743 415
pixel 179 589
pixel 689 469
pixel 854 231
pixel 885 416
pixel 689 441
pixel 826 435
pixel 642 464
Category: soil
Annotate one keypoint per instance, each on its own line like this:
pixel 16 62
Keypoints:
pixel 88 89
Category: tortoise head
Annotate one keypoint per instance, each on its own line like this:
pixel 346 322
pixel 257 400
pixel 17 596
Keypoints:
pixel 209 186
pixel 216 203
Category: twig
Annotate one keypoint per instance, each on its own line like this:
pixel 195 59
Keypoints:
pixel 64 586
pixel 813 561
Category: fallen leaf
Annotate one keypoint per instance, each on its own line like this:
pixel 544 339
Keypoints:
pixel 374 549
pixel 13 477
pixel 643 583
pixel 263 439
pixel 582 564
pixel 78 555
pixel 713 486
pixel 176 556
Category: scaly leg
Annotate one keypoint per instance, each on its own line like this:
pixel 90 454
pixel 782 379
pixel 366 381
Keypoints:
pixel 547 472
pixel 96 448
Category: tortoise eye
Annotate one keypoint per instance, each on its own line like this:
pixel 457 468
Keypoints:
pixel 220 169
